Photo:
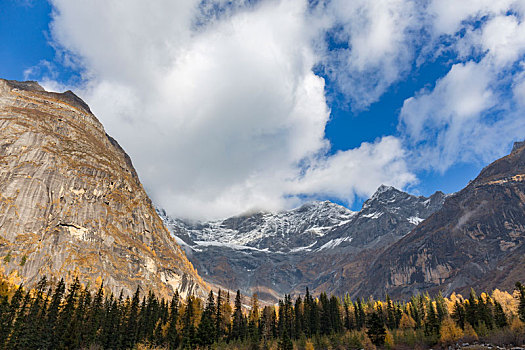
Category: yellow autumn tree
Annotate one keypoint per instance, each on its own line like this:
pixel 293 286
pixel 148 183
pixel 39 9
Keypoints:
pixel 450 332
pixel 508 302
pixel 469 334
pixel 407 322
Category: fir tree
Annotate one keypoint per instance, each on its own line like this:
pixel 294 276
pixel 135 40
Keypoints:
pixel 130 331
pixel 376 329
pixel 172 334
pixel 206 331
pixel 500 319
pixel 459 315
pixel 239 323
pixel 52 314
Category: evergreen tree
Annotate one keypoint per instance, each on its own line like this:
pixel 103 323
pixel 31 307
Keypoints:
pixel 471 309
pixel 441 307
pixel 52 314
pixel 172 334
pixel 206 331
pixel 459 315
pixel 500 319
pixel 253 320
pixel 94 316
pixel 521 305
pixel 188 323
pixel 131 324
pixel 485 311
pixel 239 322
pixel 335 314
pixel 376 329
pixel 390 314
pixel 219 331
pixel 299 317
pixel 65 326
pixel 432 322
pixel 15 339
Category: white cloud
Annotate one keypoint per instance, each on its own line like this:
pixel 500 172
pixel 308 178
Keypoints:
pixel 358 171
pixel 381 37
pixel 470 115
pixel 218 104
pixel 220 112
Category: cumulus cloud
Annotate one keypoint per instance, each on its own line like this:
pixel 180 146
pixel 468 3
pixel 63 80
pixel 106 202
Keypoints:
pixel 220 107
pixel 217 103
pixel 377 42
pixel 474 112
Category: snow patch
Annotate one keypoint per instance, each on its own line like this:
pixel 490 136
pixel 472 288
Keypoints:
pixel 375 215
pixel 415 220
pixel 334 243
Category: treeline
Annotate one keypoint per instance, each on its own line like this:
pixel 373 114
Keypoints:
pixel 61 317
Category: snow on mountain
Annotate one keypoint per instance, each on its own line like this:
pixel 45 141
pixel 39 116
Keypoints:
pixel 278 232
pixel 277 253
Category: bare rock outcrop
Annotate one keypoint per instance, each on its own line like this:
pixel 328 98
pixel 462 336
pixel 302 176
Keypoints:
pixel 71 203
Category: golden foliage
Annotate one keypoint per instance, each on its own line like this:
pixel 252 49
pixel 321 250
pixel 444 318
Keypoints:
pixel 509 302
pixel 389 340
pixel 517 326
pixel 450 332
pixel 407 322
pixel 309 345
pixel 469 333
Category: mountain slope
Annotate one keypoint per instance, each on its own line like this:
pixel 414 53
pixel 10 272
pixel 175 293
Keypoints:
pixel 71 202
pixel 475 240
pixel 277 253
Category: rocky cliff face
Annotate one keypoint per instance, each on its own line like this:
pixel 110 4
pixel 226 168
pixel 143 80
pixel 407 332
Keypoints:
pixel 477 239
pixel 71 202
pixel 277 253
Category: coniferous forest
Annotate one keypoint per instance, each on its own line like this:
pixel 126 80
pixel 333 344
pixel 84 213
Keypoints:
pixel 64 316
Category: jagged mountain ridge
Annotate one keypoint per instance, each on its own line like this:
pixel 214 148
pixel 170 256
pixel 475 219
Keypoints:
pixel 279 253
pixel 71 203
pixel 477 239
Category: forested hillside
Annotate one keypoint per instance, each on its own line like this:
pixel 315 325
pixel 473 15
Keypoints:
pixel 56 316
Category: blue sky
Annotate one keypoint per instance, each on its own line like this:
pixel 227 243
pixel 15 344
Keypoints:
pixel 227 107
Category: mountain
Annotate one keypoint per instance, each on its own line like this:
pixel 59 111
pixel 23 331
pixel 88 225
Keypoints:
pixel 475 240
pixel 277 253
pixel 71 203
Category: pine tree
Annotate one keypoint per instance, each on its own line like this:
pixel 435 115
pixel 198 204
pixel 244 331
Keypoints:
pixel 471 309
pixel 52 314
pixel 459 315
pixel 299 317
pixel 253 319
pixel 172 335
pixel 219 333
pixel 188 324
pixel 206 331
pixel 441 307
pixel 500 319
pixel 376 328
pixel 65 325
pixel 239 323
pixel 335 314
pixel 390 314
pixel 130 331
pixel 94 315
pixel 15 339
pixel 432 322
